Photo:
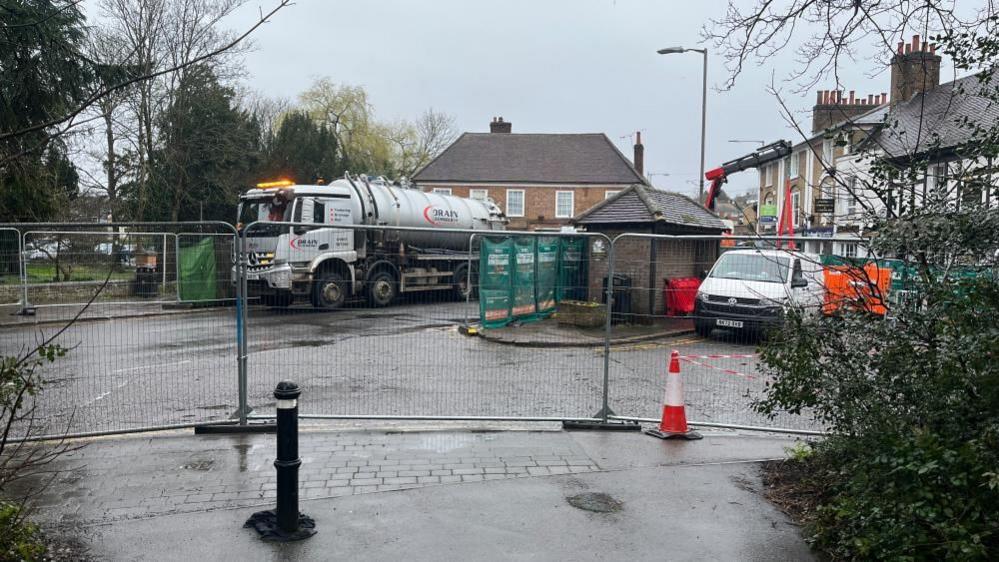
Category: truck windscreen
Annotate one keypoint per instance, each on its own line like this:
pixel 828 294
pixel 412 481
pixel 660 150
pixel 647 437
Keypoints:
pixel 264 210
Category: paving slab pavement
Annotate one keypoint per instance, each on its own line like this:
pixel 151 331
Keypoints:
pixel 424 495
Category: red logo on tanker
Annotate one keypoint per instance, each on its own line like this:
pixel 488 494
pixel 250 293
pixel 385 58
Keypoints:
pixel 436 215
pixel 302 243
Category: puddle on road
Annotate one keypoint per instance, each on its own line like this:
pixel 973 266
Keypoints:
pixel 596 502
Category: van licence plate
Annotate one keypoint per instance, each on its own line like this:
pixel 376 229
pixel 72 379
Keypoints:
pixel 729 323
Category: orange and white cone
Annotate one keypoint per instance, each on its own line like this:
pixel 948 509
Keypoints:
pixel 674 420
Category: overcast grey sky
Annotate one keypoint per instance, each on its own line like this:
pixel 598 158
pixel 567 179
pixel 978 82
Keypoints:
pixel 544 65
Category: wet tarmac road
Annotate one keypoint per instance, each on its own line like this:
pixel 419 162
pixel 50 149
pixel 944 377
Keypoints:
pixel 408 359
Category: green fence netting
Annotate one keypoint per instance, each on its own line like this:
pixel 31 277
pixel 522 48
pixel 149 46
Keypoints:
pixel 523 278
pixel 495 282
pixel 196 276
pixel 524 305
pixel 546 276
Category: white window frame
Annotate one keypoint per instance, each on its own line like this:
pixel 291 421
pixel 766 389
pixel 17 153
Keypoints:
pixel 611 193
pixel 849 249
pixel 483 194
pixel 572 204
pixel 828 152
pixel 442 190
pixel 793 168
pixel 523 202
pixel 768 174
pixel 850 203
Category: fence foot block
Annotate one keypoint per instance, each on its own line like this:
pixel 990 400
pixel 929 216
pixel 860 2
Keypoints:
pixel 600 426
pixel 688 435
pixel 235 428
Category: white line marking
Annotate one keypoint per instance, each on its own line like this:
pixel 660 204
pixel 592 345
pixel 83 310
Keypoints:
pixel 116 371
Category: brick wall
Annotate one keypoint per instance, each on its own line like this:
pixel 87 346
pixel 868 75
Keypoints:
pixel 633 257
pixel 539 202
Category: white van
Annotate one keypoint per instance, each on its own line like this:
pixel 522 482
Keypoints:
pixel 750 290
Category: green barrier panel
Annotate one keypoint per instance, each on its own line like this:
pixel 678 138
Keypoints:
pixel 547 274
pixel 571 269
pixel 196 278
pixel 524 306
pixel 495 282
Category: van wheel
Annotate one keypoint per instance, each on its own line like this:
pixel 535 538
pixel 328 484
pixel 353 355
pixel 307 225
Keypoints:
pixel 382 289
pixel 329 292
pixel 460 283
pixel 702 328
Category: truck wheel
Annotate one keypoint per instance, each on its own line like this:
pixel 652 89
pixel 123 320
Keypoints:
pixel 460 282
pixel 330 291
pixel 281 299
pixel 382 289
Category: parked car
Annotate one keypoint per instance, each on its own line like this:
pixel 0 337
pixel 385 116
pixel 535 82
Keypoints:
pixel 126 252
pixel 751 290
pixel 41 249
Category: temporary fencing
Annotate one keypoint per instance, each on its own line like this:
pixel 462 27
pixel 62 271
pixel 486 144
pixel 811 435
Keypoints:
pixel 397 346
pixel 108 295
pixel 501 325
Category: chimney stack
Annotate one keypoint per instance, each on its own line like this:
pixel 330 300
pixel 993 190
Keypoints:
pixel 639 154
pixel 833 107
pixel 915 69
pixel 498 125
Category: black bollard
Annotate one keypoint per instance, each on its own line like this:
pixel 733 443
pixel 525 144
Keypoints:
pixel 285 523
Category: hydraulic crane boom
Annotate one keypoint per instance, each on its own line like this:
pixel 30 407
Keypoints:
pixel 766 154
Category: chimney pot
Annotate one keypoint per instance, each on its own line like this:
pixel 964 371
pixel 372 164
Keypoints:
pixel 901 45
pixel 819 100
pixel 639 160
pixel 908 49
pixel 500 126
pixel 915 43
pixel 852 92
pixel 870 99
pixel 933 49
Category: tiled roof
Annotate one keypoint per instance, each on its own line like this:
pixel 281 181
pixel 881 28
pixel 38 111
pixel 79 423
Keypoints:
pixel 933 120
pixel 642 203
pixel 531 158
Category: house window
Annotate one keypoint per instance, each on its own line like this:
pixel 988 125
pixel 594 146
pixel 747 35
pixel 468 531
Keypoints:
pixel 515 202
pixel 768 175
pixel 442 190
pixel 827 153
pixel 611 193
pixel 850 205
pixel 794 164
pixel 478 194
pixel 564 203
pixel 795 208
pixel 849 250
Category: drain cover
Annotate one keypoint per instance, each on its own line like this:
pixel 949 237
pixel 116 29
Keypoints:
pixel 595 501
pixel 200 465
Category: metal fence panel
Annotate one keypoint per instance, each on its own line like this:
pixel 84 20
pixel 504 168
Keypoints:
pixel 412 358
pixel 135 359
pixel 717 321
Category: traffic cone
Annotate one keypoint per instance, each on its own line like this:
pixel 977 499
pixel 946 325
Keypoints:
pixel 674 420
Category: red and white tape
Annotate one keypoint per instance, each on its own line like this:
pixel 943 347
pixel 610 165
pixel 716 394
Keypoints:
pixel 690 359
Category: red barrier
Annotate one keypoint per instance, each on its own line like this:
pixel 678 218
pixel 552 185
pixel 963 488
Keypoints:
pixel 679 295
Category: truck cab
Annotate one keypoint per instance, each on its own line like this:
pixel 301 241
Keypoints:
pixel 751 290
pixel 282 259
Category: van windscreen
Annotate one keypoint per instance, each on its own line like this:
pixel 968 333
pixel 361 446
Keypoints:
pixel 751 267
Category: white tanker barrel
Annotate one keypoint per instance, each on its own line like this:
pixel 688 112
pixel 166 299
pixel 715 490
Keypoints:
pixel 413 208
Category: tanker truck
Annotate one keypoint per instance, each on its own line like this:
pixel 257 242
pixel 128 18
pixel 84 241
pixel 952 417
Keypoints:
pixel 329 265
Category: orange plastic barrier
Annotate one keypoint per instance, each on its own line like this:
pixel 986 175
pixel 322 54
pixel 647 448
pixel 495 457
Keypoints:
pixel 856 288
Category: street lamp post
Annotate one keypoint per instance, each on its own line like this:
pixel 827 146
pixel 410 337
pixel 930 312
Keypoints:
pixel 704 106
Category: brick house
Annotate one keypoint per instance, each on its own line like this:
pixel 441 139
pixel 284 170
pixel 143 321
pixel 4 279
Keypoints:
pixel 540 181
pixel 827 170
pixel 647 262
